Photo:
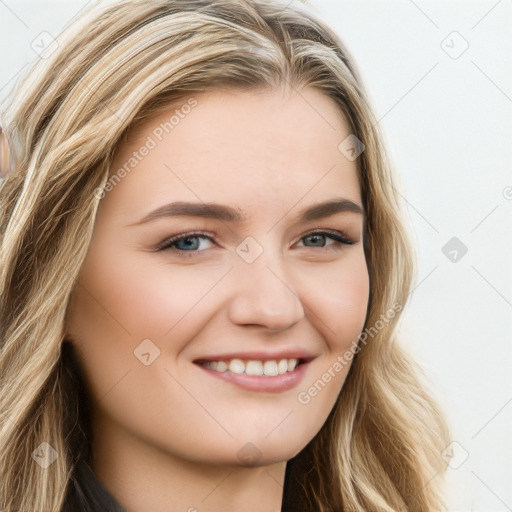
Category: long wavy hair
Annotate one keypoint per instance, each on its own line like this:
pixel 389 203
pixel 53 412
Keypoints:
pixel 116 65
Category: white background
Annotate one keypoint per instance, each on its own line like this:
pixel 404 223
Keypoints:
pixel 447 119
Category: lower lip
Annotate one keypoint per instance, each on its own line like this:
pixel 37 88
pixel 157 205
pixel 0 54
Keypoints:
pixel 262 383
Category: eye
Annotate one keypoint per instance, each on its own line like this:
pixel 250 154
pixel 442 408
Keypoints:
pixel 187 242
pixel 318 236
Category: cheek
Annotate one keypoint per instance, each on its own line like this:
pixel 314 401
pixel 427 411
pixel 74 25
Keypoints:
pixel 166 297
pixel 338 299
pixel 338 310
pixel 137 296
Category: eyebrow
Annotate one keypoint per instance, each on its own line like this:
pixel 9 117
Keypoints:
pixel 228 214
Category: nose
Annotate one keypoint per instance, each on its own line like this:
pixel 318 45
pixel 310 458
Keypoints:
pixel 264 295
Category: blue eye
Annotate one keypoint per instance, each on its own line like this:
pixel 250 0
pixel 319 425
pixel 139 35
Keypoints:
pixel 336 236
pixel 182 244
pixel 189 242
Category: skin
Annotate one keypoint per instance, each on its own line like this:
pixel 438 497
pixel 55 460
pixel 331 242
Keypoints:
pixel 167 436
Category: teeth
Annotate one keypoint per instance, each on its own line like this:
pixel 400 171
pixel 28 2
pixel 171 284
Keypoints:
pixel 221 366
pixel 292 363
pixel 282 366
pixel 254 368
pixel 267 368
pixel 236 366
pixel 270 368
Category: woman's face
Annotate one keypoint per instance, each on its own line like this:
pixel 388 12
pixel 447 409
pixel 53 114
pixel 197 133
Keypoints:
pixel 257 284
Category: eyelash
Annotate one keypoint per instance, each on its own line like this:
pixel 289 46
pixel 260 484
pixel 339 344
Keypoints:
pixel 337 236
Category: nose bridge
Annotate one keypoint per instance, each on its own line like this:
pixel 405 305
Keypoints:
pixel 264 292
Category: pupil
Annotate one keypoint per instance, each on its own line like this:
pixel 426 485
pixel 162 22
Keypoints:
pixel 188 242
pixel 317 237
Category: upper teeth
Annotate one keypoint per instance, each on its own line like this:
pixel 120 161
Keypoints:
pixel 269 368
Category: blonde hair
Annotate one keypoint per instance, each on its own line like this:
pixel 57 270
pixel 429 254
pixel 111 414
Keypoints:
pixel 115 66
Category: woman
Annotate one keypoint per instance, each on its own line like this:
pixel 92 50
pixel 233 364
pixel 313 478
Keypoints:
pixel 255 370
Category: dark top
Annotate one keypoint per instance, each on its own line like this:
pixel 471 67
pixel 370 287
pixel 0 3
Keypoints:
pixel 87 494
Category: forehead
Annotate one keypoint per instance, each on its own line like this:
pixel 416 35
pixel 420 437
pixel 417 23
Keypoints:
pixel 237 147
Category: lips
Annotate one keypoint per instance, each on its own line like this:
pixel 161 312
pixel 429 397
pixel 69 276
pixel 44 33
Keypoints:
pixel 258 371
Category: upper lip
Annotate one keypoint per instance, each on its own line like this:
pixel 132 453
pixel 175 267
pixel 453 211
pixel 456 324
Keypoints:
pixel 260 355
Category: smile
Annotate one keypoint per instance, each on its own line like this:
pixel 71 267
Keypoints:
pixel 271 376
